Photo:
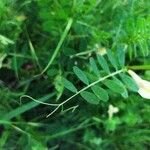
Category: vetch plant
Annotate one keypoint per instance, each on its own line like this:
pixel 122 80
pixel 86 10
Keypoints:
pixel 111 74
pixel 114 79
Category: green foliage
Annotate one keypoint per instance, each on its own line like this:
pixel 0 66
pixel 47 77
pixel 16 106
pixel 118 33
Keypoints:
pixel 114 84
pixel 121 54
pixel 63 64
pixel 129 82
pixel 80 74
pixel 112 59
pixel 69 85
pixel 100 93
pixel 94 66
pixel 90 97
pixel 103 63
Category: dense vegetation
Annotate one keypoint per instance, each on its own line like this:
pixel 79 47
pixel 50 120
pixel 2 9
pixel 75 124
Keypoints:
pixel 64 81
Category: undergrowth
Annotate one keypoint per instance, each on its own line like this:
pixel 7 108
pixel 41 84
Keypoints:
pixel 64 81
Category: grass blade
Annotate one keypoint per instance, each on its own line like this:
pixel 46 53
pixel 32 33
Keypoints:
pixel 18 111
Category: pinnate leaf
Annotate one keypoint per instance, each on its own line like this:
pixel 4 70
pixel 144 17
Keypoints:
pixel 68 85
pixel 100 93
pixel 112 59
pixel 129 82
pixel 121 54
pixel 114 86
pixel 103 63
pixel 90 97
pixel 94 66
pixel 125 93
pixel 81 75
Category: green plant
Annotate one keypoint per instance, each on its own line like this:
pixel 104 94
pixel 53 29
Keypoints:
pixel 70 61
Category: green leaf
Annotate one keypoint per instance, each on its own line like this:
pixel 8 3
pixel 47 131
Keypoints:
pixel 129 82
pixel 144 48
pixel 94 66
pixel 90 97
pixel 81 75
pixel 68 85
pixel 121 54
pixel 131 118
pixel 125 94
pixel 37 144
pixel 130 51
pixel 5 41
pixel 112 124
pixel 114 86
pixel 100 93
pixel 103 63
pixel 59 86
pixel 112 59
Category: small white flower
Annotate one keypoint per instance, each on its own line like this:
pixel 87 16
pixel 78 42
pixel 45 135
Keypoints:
pixel 144 86
pixel 102 51
pixel 112 110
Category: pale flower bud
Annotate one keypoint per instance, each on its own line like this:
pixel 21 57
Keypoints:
pixel 112 110
pixel 144 86
pixel 102 51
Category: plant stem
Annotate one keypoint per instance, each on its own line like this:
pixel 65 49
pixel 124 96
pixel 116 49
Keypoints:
pixel 82 53
pixel 141 67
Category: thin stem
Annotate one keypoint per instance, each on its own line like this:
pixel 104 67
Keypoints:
pixel 71 108
pixel 82 53
pixel 141 67
pixel 27 96
pixel 20 55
